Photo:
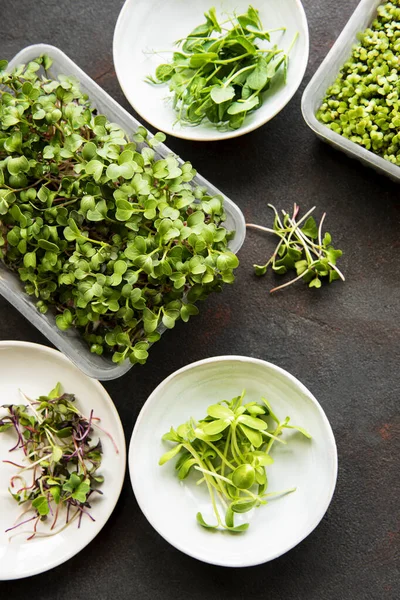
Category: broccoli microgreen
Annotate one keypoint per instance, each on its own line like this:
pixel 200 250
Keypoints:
pixel 115 239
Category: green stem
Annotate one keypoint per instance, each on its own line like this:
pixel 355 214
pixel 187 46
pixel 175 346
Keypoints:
pixel 193 452
pixel 222 456
pixel 228 81
pixel 229 60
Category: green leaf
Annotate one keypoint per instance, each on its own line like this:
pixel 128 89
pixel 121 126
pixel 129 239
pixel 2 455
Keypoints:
pixel 253 422
pixel 30 260
pixel 95 168
pixel 270 411
pixel 72 483
pixel 259 77
pixel 203 58
pixel 46 245
pixel 221 94
pixel 243 505
pixel 255 438
pixel 219 411
pixel 170 454
pixel 18 165
pixel 333 275
pixel 126 170
pixel 5 426
pixel 39 115
pixel 315 283
pixel 89 151
pixel 246 44
pixel 41 505
pixel 215 426
pixel 263 459
pixel 229 518
pixel 227 260
pixel 64 432
pixel 310 228
pixel 187 310
pixel 333 254
pixel 241 107
pixel 164 72
pixel 171 436
pixel 186 467
pixel 56 391
pixel 55 491
pixel 301 429
pixel 56 454
pixel 201 521
pixel 81 491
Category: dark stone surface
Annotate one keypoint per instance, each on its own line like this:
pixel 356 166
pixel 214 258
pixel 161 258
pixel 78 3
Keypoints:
pixel 342 341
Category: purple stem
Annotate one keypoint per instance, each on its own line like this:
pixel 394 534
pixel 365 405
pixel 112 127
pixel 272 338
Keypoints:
pixel 19 524
pixel 87 431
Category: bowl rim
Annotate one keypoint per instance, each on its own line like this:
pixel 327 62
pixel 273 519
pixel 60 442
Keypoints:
pixel 220 136
pixel 268 365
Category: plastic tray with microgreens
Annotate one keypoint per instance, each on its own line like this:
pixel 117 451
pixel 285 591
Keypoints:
pixel 115 239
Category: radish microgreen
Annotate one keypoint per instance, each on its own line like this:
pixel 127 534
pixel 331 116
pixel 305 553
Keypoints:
pixel 61 458
pixel 301 247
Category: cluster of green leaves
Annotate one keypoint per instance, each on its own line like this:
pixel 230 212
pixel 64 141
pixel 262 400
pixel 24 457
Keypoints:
pixel 302 247
pixel 116 239
pixel 61 458
pixel 363 103
pixel 230 448
pixel 220 74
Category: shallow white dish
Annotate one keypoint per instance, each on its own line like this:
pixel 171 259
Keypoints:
pixel 310 465
pixel 144 26
pixel 35 370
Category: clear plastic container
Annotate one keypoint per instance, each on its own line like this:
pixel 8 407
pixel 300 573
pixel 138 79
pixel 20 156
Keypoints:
pixel 70 342
pixel 324 77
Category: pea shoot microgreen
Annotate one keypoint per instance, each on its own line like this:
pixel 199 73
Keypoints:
pixel 230 449
pixel 61 458
pixel 220 73
pixel 303 247
pixel 117 241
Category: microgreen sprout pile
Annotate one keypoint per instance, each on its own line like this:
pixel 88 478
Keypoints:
pixel 363 104
pixel 113 238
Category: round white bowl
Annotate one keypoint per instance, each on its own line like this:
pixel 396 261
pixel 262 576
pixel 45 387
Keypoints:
pixel 309 465
pixel 36 369
pixel 147 26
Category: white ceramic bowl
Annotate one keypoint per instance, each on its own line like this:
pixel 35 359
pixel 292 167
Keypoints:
pixel 36 370
pixel 144 26
pixel 309 465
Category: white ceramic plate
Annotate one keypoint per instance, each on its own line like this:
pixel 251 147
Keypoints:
pixel 145 26
pixel 35 370
pixel 310 465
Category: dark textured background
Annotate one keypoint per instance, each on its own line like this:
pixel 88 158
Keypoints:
pixel 342 341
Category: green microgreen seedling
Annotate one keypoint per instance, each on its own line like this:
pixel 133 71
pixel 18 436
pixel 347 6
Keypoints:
pixel 230 449
pixel 220 74
pixel 303 247
pixel 363 104
pixel 61 459
pixel 116 240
